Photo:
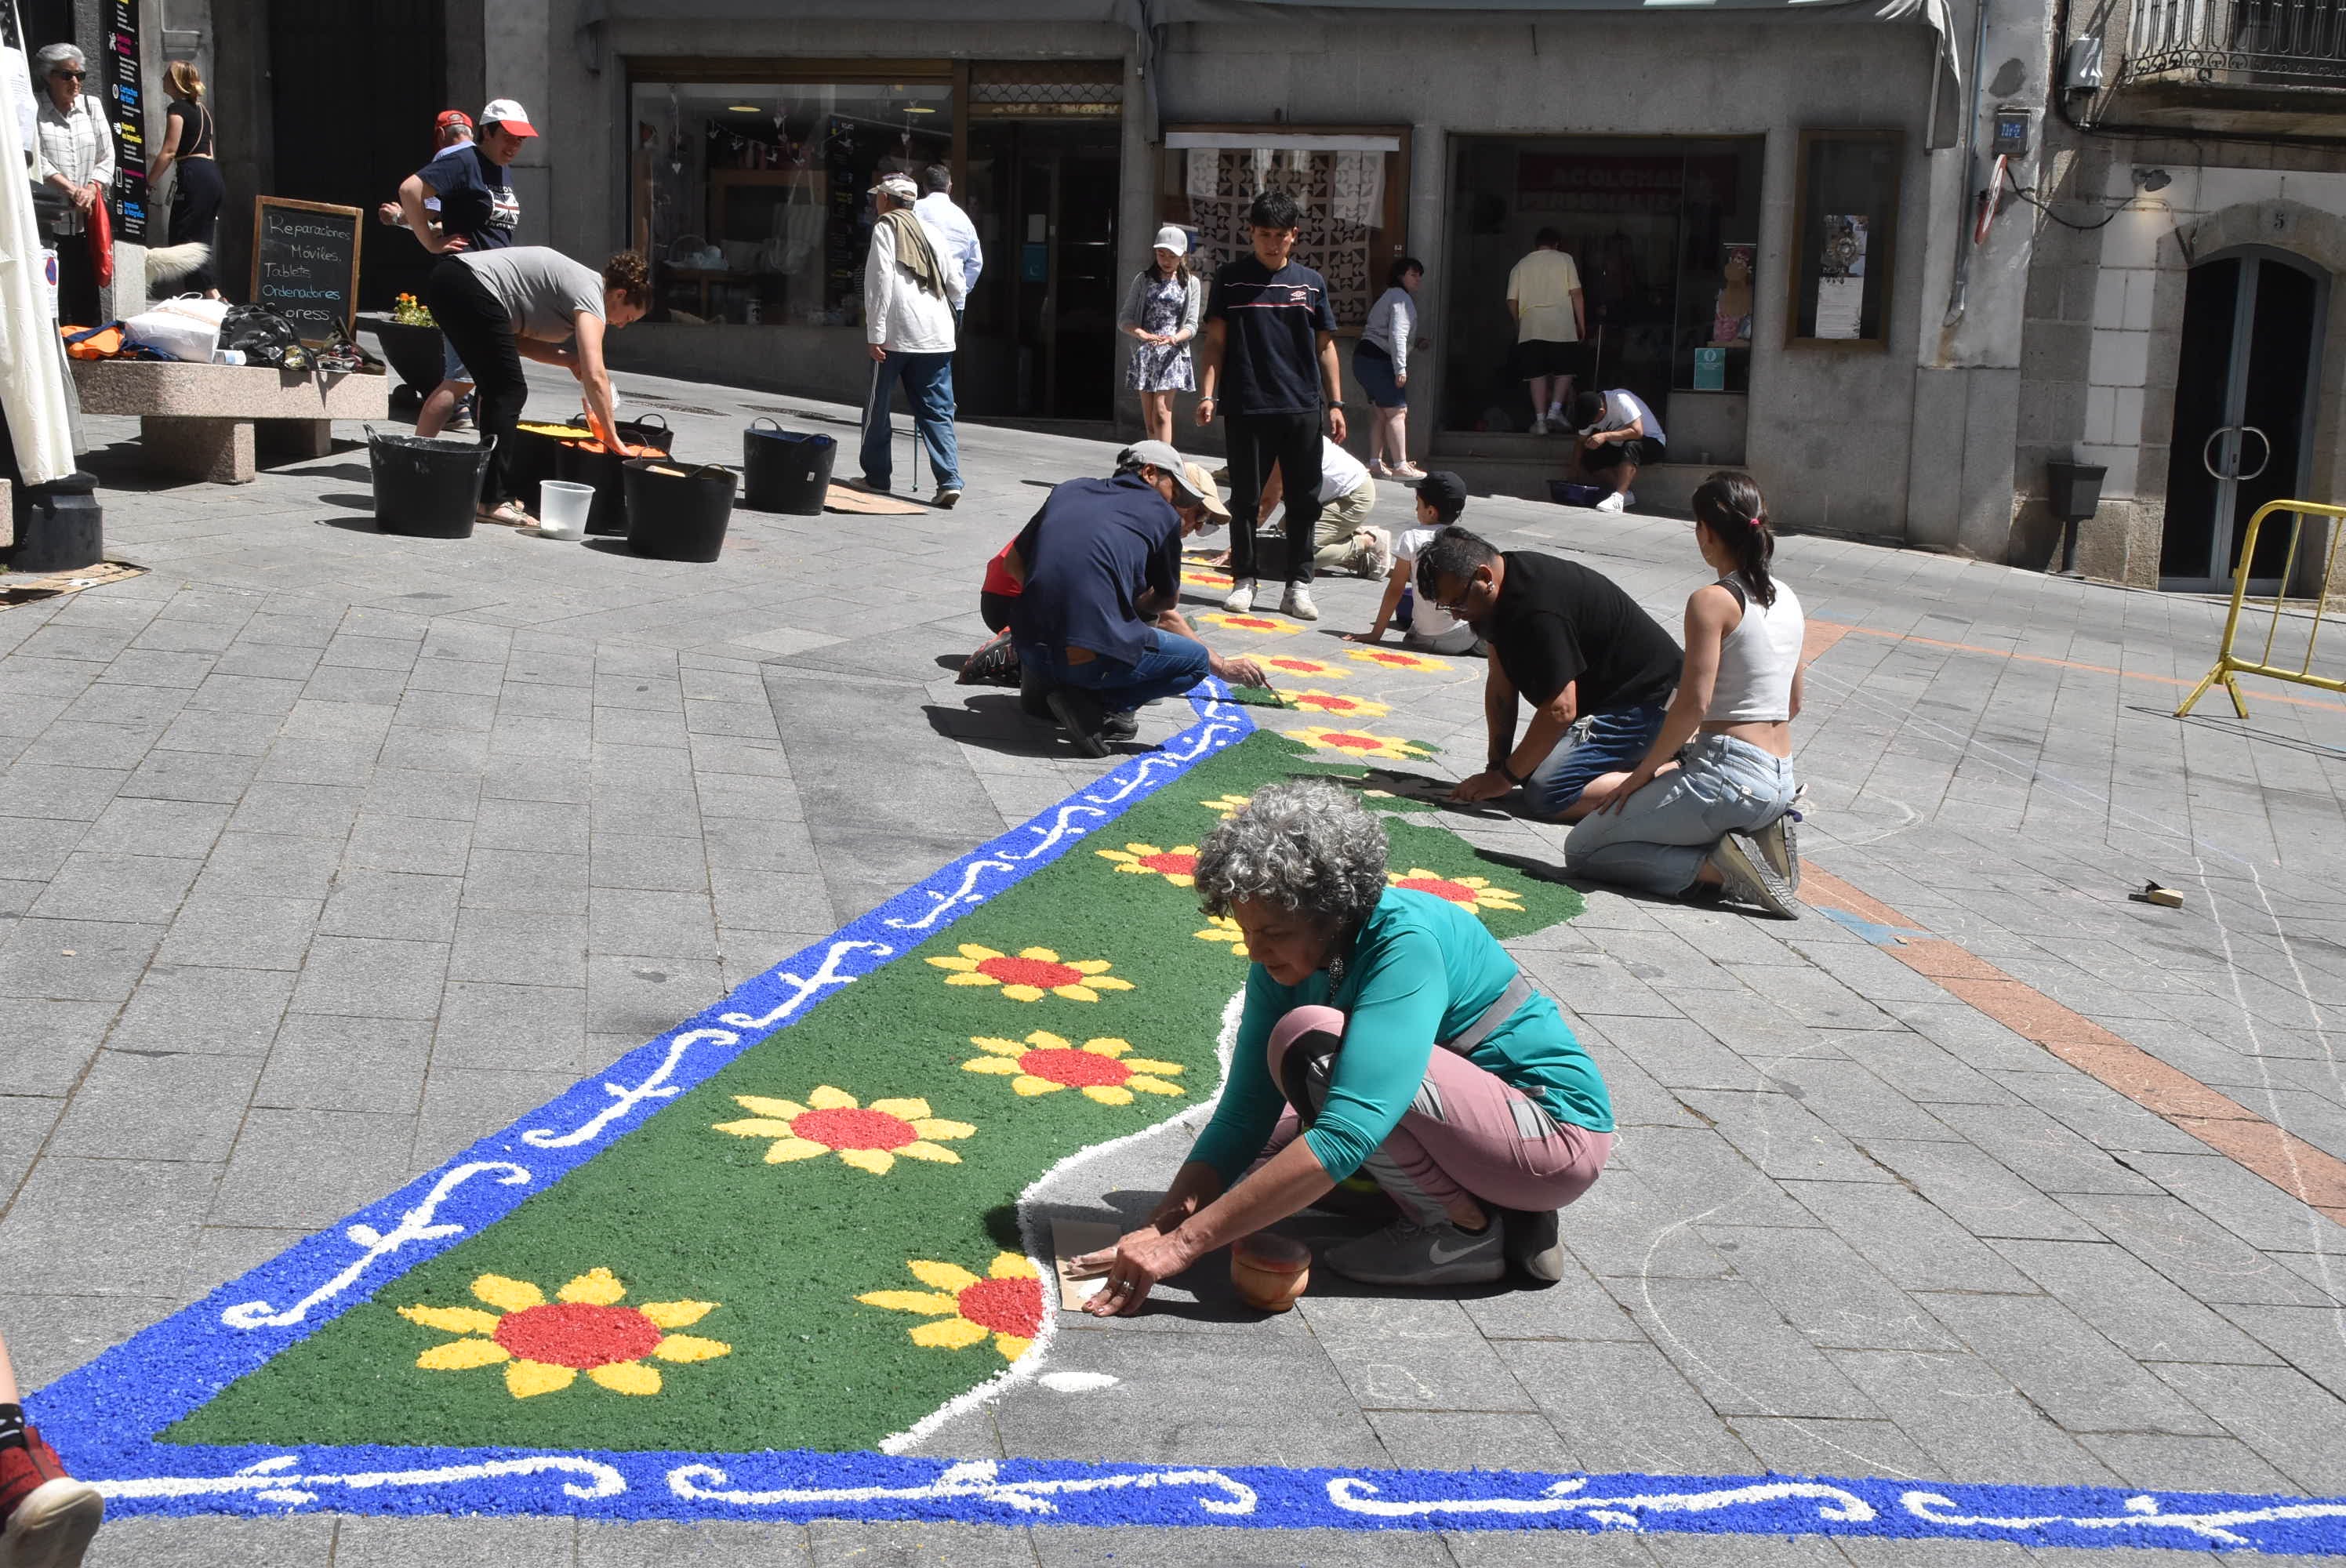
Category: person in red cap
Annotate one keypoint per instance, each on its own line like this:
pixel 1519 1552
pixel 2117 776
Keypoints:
pixel 478 212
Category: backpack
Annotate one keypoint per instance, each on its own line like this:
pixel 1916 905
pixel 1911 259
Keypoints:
pixel 264 337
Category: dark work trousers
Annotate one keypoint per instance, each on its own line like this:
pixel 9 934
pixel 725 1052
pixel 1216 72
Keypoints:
pixel 196 198
pixel 1255 442
pixel 482 333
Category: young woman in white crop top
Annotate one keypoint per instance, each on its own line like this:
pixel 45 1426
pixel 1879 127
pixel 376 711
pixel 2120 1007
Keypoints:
pixel 1707 812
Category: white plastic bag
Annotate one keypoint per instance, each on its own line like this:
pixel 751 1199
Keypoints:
pixel 211 312
pixel 178 334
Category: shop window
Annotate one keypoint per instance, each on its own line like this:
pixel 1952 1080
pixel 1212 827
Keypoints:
pixel 749 198
pixel 1350 185
pixel 1846 214
pixel 1665 235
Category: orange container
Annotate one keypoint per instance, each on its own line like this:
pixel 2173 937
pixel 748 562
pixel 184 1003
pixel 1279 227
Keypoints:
pixel 1269 1271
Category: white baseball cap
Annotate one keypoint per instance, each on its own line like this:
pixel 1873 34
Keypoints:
pixel 508 113
pixel 1173 237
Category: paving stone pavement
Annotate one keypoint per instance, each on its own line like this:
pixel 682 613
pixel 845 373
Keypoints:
pixel 323 853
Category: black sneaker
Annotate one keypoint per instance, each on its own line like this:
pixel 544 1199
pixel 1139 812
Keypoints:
pixel 1120 726
pixel 1534 1242
pixel 949 497
pixel 1750 879
pixel 1034 692
pixel 1080 716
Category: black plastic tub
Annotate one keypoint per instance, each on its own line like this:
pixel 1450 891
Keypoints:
pixel 425 487
pixel 586 461
pixel 680 515
pixel 784 471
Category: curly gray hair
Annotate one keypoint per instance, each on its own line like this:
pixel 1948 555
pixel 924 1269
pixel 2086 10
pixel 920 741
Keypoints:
pixel 1305 846
pixel 55 54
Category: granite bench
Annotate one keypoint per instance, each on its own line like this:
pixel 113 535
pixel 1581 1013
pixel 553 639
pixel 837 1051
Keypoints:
pixel 197 422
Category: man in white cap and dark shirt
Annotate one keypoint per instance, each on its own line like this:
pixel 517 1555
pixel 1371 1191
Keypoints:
pixel 961 251
pixel 912 294
pixel 1099 573
pixel 477 211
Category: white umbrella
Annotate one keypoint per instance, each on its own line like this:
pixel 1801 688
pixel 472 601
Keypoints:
pixel 32 364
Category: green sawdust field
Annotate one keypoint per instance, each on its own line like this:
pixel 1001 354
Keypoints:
pixel 679 1212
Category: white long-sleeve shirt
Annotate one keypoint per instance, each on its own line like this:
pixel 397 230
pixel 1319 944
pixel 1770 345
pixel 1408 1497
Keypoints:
pixel 78 145
pixel 900 315
pixel 960 251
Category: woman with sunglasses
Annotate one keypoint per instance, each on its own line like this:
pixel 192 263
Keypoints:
pixel 72 151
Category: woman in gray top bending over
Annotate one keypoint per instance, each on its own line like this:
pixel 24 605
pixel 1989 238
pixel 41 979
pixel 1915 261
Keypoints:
pixel 1709 809
pixel 1160 315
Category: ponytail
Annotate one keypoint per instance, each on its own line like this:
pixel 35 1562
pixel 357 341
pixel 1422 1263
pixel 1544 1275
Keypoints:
pixel 1730 504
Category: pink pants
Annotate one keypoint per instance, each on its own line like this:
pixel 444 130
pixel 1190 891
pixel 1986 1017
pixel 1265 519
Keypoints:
pixel 1468 1138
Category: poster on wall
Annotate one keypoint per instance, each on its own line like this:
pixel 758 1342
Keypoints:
pixel 126 98
pixel 1840 277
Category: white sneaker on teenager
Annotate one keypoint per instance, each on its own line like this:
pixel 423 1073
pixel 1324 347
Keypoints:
pixel 1296 603
pixel 1613 503
pixel 1539 427
pixel 1241 597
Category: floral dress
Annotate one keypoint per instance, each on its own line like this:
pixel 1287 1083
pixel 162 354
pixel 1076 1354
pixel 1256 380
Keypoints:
pixel 1161 367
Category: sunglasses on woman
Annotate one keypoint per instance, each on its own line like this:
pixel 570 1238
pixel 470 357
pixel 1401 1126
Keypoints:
pixel 70 76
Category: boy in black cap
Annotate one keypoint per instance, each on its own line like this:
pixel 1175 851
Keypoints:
pixel 1425 626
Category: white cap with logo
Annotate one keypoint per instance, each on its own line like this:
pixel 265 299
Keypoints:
pixel 508 113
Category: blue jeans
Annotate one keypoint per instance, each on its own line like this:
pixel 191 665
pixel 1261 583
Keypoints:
pixel 1614 742
pixel 928 387
pixel 1658 841
pixel 1170 665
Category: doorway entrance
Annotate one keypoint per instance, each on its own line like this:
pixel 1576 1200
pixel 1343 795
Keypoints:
pixel 2243 412
pixel 1039 336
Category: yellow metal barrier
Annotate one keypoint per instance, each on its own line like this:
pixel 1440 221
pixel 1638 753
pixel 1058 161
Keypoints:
pixel 2228 666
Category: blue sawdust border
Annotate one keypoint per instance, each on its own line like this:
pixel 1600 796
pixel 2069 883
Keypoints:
pixel 105 1414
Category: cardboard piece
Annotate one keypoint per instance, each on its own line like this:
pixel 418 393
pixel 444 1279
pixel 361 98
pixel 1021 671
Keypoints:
pixel 1070 1240
pixel 839 498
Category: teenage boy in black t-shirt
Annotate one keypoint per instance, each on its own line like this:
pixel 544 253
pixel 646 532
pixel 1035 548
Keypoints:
pixel 1573 643
pixel 478 212
pixel 1267 367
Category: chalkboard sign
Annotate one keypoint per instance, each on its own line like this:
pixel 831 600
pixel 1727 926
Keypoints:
pixel 305 264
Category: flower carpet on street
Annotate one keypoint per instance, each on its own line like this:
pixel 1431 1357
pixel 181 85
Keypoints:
pixel 733 1276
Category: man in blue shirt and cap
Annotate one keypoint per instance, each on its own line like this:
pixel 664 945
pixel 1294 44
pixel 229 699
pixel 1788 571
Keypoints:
pixel 1099 569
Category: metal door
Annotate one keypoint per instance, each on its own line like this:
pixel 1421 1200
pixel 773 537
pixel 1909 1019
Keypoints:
pixel 2243 412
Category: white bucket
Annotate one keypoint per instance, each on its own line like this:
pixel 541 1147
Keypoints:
pixel 562 507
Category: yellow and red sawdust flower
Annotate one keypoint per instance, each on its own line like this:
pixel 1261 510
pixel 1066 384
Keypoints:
pixel 1356 743
pixel 1222 928
pixel 1205 577
pixel 1178 865
pixel 869 1137
pixel 1257 624
pixel 1476 895
pixel 1226 805
pixel 1032 974
pixel 1396 658
pixel 545 1344
pixel 1332 702
pixel 1287 663
pixel 961 1309
pixel 1045 1063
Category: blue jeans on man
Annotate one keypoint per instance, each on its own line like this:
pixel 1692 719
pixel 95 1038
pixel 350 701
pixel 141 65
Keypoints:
pixel 1169 664
pixel 1610 742
pixel 928 387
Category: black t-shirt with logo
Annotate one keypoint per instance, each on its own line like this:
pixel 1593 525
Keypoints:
pixel 1556 621
pixel 476 201
pixel 1270 345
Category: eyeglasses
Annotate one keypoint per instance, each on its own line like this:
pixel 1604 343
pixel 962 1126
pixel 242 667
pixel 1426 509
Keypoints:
pixel 70 76
pixel 1456 606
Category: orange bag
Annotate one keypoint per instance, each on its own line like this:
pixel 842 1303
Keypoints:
pixel 101 241
pixel 95 342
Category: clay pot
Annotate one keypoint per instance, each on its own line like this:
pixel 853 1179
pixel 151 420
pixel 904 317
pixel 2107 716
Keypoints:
pixel 1269 1271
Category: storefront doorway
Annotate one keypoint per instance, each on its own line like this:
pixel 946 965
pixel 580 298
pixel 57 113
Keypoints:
pixel 2243 402
pixel 1039 338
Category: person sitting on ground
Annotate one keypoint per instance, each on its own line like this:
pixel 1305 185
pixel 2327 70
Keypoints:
pixel 1709 806
pixel 1384 1031
pixel 1618 435
pixel 1430 629
pixel 1344 538
pixel 1098 570
pixel 996 661
pixel 498 306
pixel 1591 662
pixel 45 1515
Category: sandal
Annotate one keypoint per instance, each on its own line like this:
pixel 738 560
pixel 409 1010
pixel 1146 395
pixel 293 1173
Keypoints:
pixel 1377 469
pixel 1409 471
pixel 507 515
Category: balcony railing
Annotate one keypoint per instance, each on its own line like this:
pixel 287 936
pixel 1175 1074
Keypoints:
pixel 2247 43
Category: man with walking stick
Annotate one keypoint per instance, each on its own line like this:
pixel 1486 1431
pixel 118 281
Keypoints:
pixel 911 293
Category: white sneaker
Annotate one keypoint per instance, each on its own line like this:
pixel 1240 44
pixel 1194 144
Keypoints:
pixel 1613 503
pixel 1376 553
pixel 1628 497
pixel 1241 599
pixel 1297 605
pixel 1750 879
pixel 1539 427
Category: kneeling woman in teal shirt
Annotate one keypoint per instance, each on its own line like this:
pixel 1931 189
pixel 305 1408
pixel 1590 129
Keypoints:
pixel 1385 1033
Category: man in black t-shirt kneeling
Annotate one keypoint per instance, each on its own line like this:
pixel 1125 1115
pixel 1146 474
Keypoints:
pixel 1573 643
pixel 1267 368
